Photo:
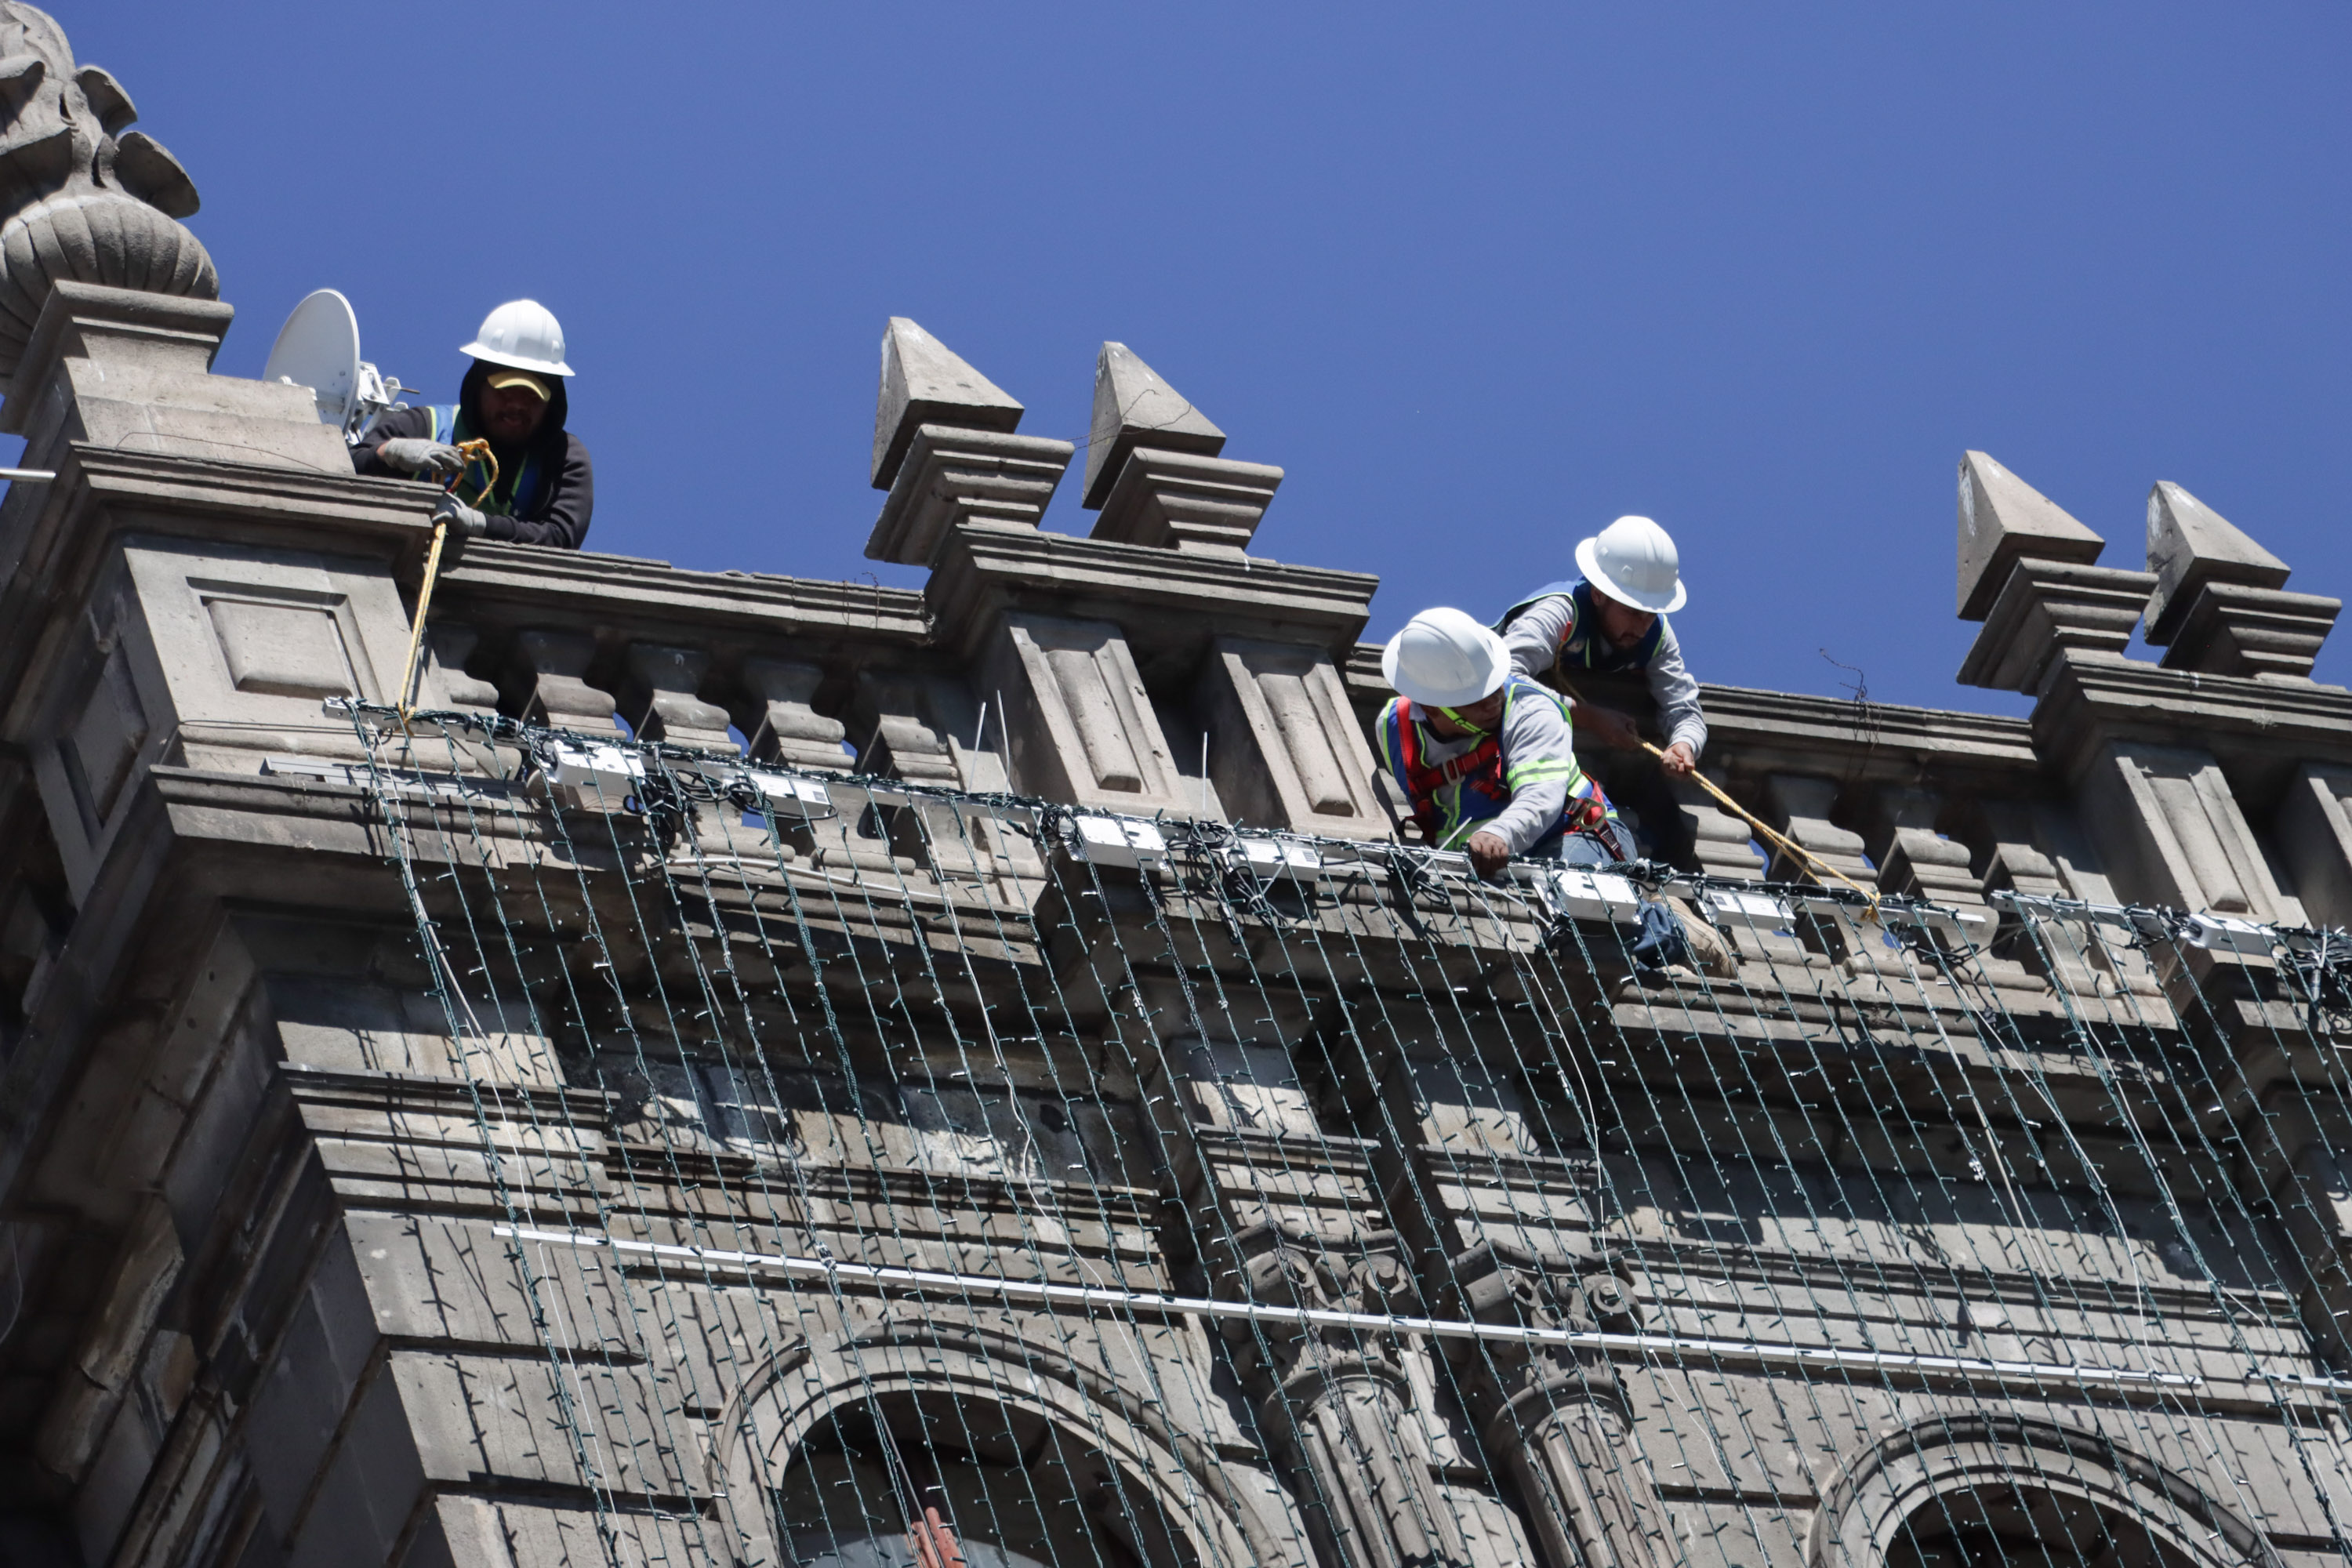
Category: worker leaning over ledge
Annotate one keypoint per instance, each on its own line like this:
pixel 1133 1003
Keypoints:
pixel 1613 619
pixel 1484 754
pixel 513 397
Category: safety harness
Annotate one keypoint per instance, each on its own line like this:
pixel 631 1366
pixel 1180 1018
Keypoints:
pixel 1582 646
pixel 1451 796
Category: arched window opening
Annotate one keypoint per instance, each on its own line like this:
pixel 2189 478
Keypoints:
pixel 2016 1527
pixel 1013 1489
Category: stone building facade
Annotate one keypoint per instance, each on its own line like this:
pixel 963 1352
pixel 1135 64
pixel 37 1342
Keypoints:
pixel 733 1069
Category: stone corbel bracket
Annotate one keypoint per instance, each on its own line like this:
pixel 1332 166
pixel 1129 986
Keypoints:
pixel 1153 467
pixel 954 476
pixel 1177 501
pixel 2049 607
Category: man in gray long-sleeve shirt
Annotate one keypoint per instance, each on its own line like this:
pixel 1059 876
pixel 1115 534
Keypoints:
pixel 1483 755
pixel 1541 632
pixel 1611 619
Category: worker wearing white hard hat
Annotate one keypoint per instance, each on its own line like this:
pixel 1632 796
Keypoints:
pixel 536 485
pixel 1612 618
pixel 1485 755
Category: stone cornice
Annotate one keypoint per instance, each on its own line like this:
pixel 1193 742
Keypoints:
pixel 2254 725
pixel 557 586
pixel 54 538
pixel 1776 731
pixel 390 509
pixel 41 538
pixel 1164 599
pixel 1826 734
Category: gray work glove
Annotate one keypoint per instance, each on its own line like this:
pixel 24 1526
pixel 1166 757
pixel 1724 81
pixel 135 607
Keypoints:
pixel 462 518
pixel 415 455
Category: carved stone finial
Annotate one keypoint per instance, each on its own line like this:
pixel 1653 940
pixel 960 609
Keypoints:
pixel 2189 546
pixel 85 200
pixel 2219 605
pixel 2003 520
pixel 1133 407
pixel 924 382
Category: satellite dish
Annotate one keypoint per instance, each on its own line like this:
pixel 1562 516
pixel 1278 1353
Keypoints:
pixel 319 348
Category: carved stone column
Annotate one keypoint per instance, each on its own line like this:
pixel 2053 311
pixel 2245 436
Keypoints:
pixel 549 671
pixel 1338 1403
pixel 661 693
pixel 1556 1422
pixel 785 727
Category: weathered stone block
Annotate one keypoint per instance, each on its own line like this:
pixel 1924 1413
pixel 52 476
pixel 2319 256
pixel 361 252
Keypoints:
pixel 1178 500
pixel 2189 545
pixel 924 383
pixel 122 367
pixel 953 476
pixel 2229 628
pixel 2046 607
pixel 2003 520
pixel 1133 407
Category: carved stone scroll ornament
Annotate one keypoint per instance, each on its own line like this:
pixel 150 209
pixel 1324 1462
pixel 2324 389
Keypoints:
pixel 1557 1421
pixel 1339 1404
pixel 85 200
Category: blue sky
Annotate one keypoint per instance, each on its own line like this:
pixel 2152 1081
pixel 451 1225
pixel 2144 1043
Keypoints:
pixel 1479 278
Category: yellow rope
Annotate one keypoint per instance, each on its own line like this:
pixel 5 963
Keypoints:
pixel 433 569
pixel 1772 835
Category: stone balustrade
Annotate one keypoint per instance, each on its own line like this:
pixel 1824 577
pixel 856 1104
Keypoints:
pixel 1365 1132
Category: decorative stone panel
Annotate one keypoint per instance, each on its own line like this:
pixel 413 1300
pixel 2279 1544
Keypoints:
pixel 1284 750
pixel 1081 726
pixel 252 639
pixel 2171 832
pixel 2315 829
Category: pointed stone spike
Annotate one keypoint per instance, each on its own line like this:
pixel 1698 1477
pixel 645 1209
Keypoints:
pixel 1133 407
pixel 2189 546
pixel 2003 520
pixel 924 383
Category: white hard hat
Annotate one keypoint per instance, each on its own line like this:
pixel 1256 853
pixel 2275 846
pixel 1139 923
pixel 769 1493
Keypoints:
pixel 523 334
pixel 1635 563
pixel 1445 660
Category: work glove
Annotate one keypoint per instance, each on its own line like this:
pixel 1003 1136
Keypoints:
pixel 415 455
pixel 463 520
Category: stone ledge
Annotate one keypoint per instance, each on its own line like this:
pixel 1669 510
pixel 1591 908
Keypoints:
pixel 2274 722
pixel 1137 586
pixel 536 580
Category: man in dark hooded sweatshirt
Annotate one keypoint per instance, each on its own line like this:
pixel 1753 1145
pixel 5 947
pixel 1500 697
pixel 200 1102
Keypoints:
pixel 512 397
